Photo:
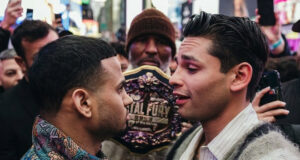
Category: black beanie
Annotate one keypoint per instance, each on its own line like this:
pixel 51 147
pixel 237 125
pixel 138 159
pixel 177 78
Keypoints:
pixel 151 21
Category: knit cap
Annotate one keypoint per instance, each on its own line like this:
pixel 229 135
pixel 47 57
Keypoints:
pixel 151 22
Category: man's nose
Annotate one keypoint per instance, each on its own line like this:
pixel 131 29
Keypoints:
pixel 151 47
pixel 19 75
pixel 175 79
pixel 128 100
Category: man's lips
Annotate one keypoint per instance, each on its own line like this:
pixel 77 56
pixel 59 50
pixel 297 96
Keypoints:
pixel 181 98
pixel 149 62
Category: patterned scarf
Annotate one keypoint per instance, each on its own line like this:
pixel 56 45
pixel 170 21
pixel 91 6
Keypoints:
pixel 51 143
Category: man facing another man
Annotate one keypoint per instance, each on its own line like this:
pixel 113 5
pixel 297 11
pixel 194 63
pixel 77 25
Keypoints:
pixel 82 99
pixel 220 63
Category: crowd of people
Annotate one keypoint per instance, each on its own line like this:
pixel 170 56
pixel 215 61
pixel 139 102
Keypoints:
pixel 65 97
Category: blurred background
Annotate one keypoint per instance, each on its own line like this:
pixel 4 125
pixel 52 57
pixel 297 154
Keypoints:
pixel 110 19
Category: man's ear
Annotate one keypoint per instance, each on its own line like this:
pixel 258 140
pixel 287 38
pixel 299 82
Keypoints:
pixel 242 76
pixel 82 101
pixel 21 63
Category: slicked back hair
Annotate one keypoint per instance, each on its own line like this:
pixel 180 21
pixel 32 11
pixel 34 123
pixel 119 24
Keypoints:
pixel 65 64
pixel 234 40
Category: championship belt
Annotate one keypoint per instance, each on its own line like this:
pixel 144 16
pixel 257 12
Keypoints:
pixel 154 121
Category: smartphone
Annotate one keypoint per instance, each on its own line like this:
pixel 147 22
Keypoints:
pixel 271 78
pixel 29 14
pixel 266 12
pixel 57 17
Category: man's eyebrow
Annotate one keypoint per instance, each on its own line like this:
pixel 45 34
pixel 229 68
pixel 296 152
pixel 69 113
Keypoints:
pixel 189 58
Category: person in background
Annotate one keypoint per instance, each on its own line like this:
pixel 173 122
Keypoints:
pixel 276 40
pixel 78 73
pixel 13 11
pixel 219 67
pixel 121 34
pixel 29 38
pixel 240 8
pixel 173 64
pixel 287 67
pixel 150 41
pixel 290 104
pixel 296 28
pixel 18 106
pixel 121 54
pixel 10 71
pixel 278 48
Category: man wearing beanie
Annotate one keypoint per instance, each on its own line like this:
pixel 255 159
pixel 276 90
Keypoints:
pixel 150 41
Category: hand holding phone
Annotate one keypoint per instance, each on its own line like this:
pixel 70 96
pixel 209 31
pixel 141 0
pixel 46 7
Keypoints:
pixel 267 112
pixel 270 79
pixel 13 11
pixel 271 99
pixel 273 34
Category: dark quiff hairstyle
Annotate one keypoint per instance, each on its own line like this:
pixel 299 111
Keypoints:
pixel 64 64
pixel 234 40
pixel 29 30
